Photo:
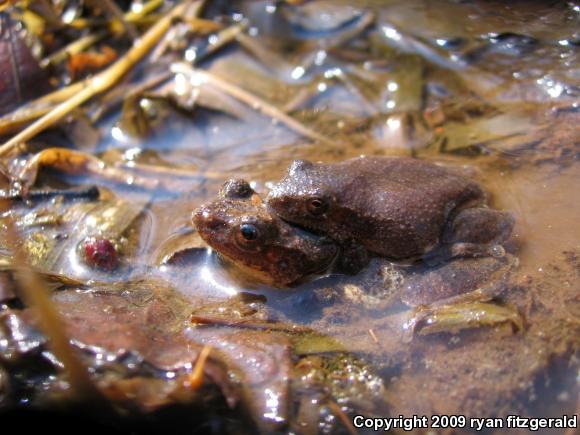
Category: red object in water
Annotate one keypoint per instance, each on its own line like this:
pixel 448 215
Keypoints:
pixel 100 253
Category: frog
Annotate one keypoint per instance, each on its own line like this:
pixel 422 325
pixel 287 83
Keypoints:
pixel 241 228
pixel 244 231
pixel 399 208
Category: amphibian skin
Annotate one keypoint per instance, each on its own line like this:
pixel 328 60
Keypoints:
pixel 239 226
pixel 398 208
pixel 452 296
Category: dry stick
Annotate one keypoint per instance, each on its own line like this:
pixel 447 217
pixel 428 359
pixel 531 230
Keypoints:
pixel 191 11
pixel 17 120
pixel 88 40
pixel 59 95
pixel 77 46
pixel 37 108
pixel 167 171
pixel 118 14
pixel 35 295
pixel 148 7
pixel 337 411
pixel 99 83
pixel 195 378
pixel 373 336
pixel 248 324
pixel 254 102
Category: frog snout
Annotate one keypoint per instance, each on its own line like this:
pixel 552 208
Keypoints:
pixel 277 202
pixel 203 218
pixel 197 216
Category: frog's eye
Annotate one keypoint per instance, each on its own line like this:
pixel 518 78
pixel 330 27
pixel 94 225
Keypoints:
pixel 247 236
pixel 316 206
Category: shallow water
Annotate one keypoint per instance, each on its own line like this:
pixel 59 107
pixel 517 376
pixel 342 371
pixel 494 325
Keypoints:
pixel 502 103
pixel 488 88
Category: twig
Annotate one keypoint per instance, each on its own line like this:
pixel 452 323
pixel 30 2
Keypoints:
pixel 39 107
pixel 373 336
pixel 342 417
pixel 249 324
pixel 150 6
pixel 76 163
pixel 85 42
pixel 164 171
pixel 195 378
pixel 256 103
pixel 17 119
pixel 75 47
pixel 91 192
pixel 118 14
pixel 99 83
pixel 223 38
pixel 191 11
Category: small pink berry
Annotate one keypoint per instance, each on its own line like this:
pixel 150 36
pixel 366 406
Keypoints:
pixel 100 253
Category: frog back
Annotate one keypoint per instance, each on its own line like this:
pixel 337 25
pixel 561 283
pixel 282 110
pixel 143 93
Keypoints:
pixel 398 207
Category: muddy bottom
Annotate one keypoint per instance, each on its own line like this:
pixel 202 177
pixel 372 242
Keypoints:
pixel 176 339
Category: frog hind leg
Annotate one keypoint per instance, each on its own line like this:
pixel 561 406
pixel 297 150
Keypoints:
pixel 473 232
pixel 460 280
pixel 479 226
pixel 472 309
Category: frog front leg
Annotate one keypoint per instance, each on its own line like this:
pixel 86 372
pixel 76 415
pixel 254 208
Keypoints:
pixel 353 258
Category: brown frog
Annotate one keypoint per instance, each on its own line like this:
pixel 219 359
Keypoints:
pixel 241 228
pixel 395 207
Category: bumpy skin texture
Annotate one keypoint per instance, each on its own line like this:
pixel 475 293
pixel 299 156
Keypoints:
pixel 277 253
pixel 398 208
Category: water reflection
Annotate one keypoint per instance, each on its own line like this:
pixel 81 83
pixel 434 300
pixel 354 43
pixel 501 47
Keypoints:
pixel 484 87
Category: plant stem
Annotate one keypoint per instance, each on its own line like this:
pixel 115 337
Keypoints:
pixel 99 83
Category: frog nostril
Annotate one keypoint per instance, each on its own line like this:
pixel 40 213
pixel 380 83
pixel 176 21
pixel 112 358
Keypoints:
pixel 202 217
pixel 198 216
pixel 209 219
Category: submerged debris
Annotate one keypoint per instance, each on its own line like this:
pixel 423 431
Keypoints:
pixel 119 118
pixel 21 78
pixel 99 253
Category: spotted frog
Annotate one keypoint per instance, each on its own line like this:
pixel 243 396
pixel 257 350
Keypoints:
pixel 394 207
